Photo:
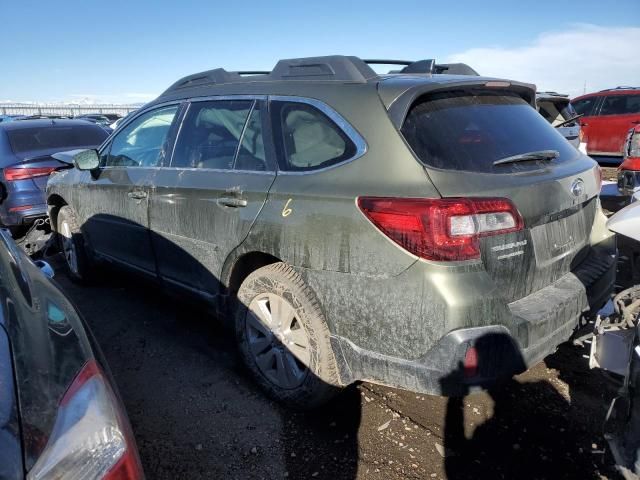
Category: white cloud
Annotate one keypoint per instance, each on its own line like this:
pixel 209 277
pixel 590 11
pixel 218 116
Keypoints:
pixel 563 61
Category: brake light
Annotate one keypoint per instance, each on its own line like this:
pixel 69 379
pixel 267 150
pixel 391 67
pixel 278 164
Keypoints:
pixel 598 174
pixel 630 164
pixel 90 438
pixel 446 229
pixel 470 365
pixel 632 149
pixel 24 173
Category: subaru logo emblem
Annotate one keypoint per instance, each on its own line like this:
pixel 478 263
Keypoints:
pixel 577 187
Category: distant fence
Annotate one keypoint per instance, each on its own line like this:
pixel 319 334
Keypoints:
pixel 66 109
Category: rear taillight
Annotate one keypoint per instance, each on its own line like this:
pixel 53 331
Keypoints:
pixel 446 229
pixel 598 174
pixel 632 147
pixel 630 163
pixel 24 173
pixel 470 365
pixel 90 438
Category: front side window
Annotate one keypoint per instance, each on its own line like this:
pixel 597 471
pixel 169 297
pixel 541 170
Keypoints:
pixel 143 142
pixel 307 139
pixel 620 105
pixel 585 106
pixel 211 133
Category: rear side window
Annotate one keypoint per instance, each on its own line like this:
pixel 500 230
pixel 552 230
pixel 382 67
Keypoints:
pixel 142 143
pixel 307 139
pixel 212 133
pixel 620 105
pixel 53 137
pixel 469 131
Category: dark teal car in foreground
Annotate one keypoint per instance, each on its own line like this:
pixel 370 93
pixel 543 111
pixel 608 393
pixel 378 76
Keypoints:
pixel 60 414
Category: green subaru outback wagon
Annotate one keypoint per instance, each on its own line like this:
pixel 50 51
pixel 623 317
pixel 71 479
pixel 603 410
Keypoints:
pixel 423 229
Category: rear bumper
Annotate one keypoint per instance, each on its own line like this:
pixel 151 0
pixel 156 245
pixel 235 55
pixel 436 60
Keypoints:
pixel 536 325
pixel 14 218
pixel 23 202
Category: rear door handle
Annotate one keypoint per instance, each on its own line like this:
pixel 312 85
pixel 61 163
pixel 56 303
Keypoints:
pixel 232 202
pixel 137 195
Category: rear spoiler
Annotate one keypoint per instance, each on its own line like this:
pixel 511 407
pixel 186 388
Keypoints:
pixel 401 104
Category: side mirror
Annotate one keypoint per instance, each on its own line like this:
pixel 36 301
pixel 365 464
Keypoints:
pixel 86 160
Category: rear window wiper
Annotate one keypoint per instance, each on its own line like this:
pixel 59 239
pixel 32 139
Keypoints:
pixel 528 157
pixel 569 120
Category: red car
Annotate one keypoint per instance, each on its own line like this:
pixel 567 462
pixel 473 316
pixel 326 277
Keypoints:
pixel 607 117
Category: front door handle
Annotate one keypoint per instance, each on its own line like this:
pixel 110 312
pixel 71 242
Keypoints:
pixel 232 202
pixel 137 194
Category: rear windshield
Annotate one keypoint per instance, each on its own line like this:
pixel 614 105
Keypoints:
pixel 557 111
pixel 465 130
pixel 53 137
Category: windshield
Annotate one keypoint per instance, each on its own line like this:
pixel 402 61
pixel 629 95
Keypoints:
pixel 55 137
pixel 470 130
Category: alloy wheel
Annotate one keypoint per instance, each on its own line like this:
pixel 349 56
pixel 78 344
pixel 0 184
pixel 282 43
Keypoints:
pixel 277 340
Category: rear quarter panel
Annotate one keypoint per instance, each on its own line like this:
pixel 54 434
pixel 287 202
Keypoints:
pixel 311 219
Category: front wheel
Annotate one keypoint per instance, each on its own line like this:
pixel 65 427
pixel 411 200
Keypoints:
pixel 284 339
pixel 71 243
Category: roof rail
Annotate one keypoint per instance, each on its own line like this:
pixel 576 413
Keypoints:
pixel 620 88
pixel 337 68
pixel 333 67
pixel 425 66
pixel 252 72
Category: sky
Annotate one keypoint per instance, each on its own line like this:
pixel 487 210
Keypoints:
pixel 130 51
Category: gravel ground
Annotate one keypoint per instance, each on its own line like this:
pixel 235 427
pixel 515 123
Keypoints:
pixel 196 414
pixel 610 173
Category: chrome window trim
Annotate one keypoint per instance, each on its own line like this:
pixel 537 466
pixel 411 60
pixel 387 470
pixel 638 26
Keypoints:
pixel 226 97
pixel 348 129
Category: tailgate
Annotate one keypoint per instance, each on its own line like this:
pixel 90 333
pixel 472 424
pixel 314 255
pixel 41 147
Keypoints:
pixel 557 225
pixel 463 139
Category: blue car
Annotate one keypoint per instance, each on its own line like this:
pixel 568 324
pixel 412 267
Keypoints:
pixel 26 163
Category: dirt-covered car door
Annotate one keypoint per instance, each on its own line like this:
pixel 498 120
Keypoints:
pixel 114 202
pixel 204 203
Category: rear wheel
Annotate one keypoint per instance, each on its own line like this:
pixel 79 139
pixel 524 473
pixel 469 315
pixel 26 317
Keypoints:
pixel 71 244
pixel 284 339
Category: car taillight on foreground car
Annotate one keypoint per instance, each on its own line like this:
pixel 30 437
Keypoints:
pixel 629 169
pixel 24 173
pixel 446 229
pixel 91 438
